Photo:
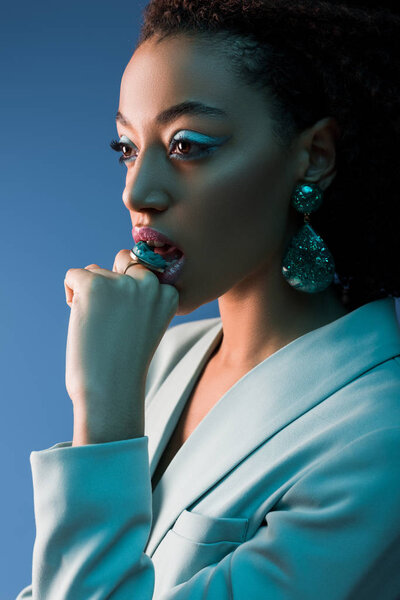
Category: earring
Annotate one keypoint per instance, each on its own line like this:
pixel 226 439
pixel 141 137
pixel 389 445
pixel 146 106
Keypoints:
pixel 308 265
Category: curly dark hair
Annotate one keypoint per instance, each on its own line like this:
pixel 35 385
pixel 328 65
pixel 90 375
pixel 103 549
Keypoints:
pixel 317 59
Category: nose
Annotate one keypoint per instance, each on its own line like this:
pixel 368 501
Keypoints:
pixel 145 186
pixel 156 200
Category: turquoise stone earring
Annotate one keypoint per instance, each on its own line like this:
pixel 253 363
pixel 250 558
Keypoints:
pixel 308 264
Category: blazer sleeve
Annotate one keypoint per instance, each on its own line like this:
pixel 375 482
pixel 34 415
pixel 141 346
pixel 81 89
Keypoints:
pixel 334 534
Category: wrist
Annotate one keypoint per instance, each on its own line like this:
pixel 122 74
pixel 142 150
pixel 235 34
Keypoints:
pixel 83 437
pixel 113 428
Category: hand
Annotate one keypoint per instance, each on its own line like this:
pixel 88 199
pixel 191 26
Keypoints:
pixel 115 326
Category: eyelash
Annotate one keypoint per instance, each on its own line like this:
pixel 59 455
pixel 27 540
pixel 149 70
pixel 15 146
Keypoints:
pixel 117 146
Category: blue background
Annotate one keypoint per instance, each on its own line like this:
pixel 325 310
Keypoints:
pixel 61 207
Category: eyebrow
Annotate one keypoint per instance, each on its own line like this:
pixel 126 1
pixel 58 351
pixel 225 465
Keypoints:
pixel 172 113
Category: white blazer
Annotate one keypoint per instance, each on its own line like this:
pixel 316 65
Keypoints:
pixel 288 489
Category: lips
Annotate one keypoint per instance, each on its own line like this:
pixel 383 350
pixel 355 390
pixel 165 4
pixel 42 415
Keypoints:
pixel 146 234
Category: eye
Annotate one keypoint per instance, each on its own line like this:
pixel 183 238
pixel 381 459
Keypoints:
pixel 182 142
pixel 121 147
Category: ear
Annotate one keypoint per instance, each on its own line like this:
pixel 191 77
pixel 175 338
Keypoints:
pixel 320 144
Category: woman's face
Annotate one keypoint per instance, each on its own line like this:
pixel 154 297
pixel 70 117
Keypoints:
pixel 228 209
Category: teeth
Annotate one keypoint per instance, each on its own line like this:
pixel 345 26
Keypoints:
pixel 155 244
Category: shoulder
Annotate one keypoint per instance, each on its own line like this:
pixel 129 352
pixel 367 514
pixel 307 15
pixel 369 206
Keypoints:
pixel 371 400
pixel 175 343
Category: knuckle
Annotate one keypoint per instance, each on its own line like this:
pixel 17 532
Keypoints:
pixel 72 271
pixel 150 279
pixel 145 278
pixel 126 282
pixel 98 283
pixel 169 289
pixel 120 254
pixel 170 292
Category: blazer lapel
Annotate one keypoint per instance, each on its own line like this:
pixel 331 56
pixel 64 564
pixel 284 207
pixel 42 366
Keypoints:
pixel 167 405
pixel 275 392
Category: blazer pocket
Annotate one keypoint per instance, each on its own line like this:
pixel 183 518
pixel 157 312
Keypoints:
pixel 195 541
pixel 204 529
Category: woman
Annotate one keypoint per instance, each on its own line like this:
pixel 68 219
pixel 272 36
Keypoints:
pixel 254 455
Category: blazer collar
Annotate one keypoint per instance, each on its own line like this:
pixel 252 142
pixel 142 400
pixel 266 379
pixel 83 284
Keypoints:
pixel 277 391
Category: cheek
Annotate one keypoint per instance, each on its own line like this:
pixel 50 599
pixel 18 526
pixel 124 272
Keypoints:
pixel 247 190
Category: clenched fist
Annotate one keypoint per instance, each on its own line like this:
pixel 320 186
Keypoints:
pixel 115 326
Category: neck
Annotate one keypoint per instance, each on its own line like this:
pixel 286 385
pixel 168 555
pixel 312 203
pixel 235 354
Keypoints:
pixel 261 315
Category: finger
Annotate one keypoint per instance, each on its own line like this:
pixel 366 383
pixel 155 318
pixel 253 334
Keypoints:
pixel 140 272
pixel 121 260
pixel 78 277
pixel 71 279
pixel 171 294
pixel 69 294
pixel 96 270
pixel 136 270
pixel 118 268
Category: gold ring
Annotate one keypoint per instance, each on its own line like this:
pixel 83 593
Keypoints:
pixel 132 262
